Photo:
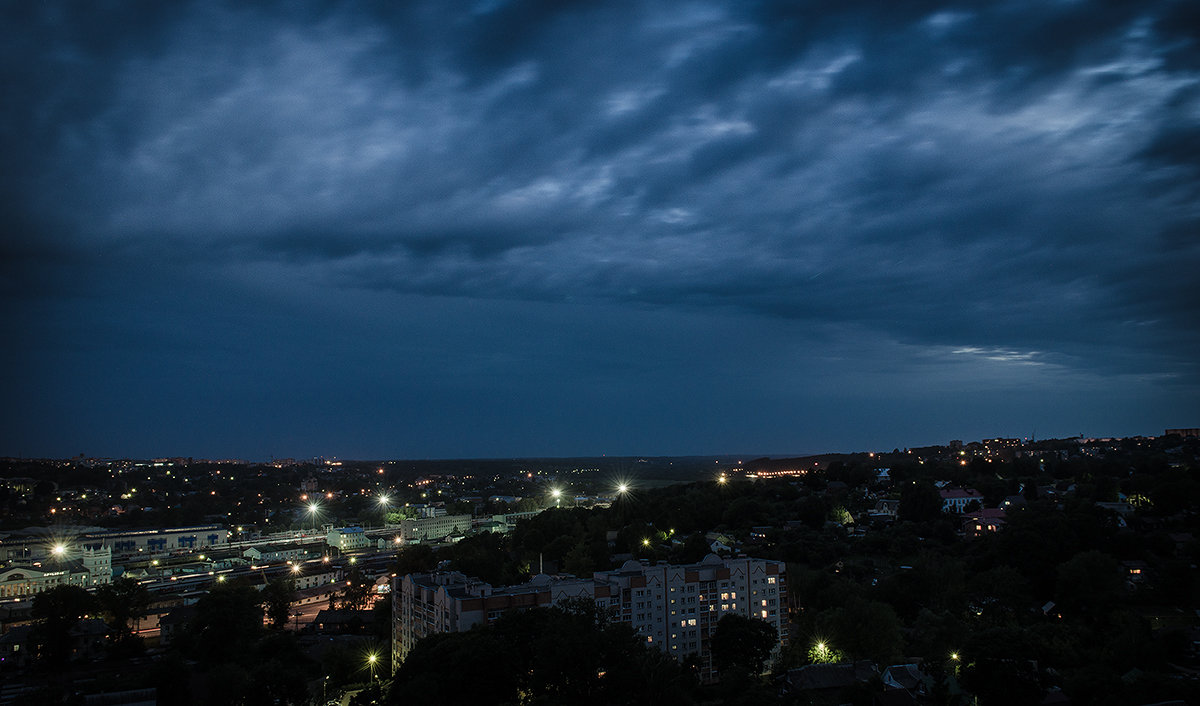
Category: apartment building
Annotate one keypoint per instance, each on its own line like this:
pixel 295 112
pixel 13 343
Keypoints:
pixel 674 607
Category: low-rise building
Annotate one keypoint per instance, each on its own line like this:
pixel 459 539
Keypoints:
pixel 273 552
pixel 347 538
pixel 956 499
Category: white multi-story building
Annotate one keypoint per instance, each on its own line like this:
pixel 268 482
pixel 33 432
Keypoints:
pixel 430 529
pixel 347 538
pixel 674 607
pixel 956 499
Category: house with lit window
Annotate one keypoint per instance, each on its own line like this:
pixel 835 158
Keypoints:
pixel 955 500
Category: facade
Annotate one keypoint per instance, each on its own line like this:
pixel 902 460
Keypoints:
pixel 36 543
pixel 305 581
pixel 432 529
pixel 92 567
pixel 956 499
pixel 674 607
pixel 271 552
pixel 156 541
pixel 347 538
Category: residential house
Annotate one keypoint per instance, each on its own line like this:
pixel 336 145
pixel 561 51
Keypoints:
pixel 955 500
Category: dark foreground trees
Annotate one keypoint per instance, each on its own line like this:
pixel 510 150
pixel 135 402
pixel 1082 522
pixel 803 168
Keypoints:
pixel 236 659
pixel 56 613
pixel 569 654
pixel 742 644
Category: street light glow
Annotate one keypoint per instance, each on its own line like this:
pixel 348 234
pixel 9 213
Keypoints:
pixel 383 500
pixel 59 549
pixel 623 488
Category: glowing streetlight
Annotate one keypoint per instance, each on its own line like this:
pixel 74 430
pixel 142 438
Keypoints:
pixel 556 493
pixel 58 550
pixel 372 658
pixel 646 542
pixel 722 480
pixel 623 488
pixel 313 509
pixel 383 500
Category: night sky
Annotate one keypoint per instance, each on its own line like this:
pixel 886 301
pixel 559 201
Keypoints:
pixel 553 228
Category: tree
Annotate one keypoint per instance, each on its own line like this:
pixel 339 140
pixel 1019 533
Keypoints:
pixel 415 559
pixel 864 630
pixel 278 596
pixel 121 602
pixel 920 501
pixel 56 612
pixel 741 644
pixel 356 594
pixel 1089 583
pixel 228 622
pixel 568 654
pixel 822 653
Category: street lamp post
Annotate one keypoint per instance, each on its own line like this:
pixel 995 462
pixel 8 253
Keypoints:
pixel 383 508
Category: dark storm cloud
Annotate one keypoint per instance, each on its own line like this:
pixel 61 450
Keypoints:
pixel 1007 183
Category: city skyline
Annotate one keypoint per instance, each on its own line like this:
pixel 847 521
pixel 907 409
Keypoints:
pixel 518 230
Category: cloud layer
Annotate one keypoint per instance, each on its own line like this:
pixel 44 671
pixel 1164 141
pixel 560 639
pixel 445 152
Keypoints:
pixel 1012 185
